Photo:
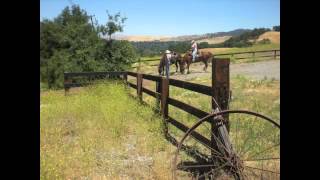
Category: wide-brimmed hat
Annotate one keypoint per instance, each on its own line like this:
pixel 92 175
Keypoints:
pixel 168 52
pixel 192 41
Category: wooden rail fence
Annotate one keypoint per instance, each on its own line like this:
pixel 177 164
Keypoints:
pixel 219 91
pixel 252 55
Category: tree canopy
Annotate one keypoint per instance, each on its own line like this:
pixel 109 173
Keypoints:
pixel 72 43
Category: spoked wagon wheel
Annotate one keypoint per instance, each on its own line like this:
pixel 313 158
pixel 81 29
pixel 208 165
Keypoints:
pixel 251 150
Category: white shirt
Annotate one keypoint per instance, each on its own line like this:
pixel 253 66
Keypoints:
pixel 194 46
pixel 169 56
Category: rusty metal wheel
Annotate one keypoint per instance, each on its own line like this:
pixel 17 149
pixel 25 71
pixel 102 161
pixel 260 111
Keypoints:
pixel 251 150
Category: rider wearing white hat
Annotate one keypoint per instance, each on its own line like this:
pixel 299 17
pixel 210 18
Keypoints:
pixel 168 54
pixel 194 47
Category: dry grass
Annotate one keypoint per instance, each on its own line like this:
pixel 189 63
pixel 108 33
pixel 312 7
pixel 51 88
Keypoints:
pixel 100 132
pixel 215 40
pixel 215 50
pixel 256 47
pixel 273 36
pixel 143 38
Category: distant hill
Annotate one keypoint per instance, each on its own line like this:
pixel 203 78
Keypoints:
pixel 218 36
pixel 214 40
pixel 273 36
pixel 153 45
pixel 235 32
pixel 139 38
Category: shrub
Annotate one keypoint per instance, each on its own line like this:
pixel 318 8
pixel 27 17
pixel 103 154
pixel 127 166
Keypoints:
pixel 264 41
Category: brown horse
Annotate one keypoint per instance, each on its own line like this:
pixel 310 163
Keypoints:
pixel 175 59
pixel 204 57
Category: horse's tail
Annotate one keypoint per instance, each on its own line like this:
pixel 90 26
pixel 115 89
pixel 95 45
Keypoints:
pixel 159 68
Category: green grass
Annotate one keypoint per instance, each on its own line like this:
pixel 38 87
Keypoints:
pixel 249 57
pixel 262 96
pixel 150 58
pixel 256 47
pixel 43 86
pixel 100 132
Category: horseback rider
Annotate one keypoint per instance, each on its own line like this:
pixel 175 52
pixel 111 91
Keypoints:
pixel 194 48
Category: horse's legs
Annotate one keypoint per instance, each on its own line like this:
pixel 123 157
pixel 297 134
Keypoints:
pixel 176 66
pixel 205 65
pixel 188 64
pixel 161 70
pixel 167 70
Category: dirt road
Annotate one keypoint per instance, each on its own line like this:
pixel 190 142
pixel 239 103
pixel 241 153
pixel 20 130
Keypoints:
pixel 256 70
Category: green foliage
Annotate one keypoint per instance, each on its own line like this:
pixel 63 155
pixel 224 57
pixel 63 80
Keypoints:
pixel 264 41
pixel 118 55
pixel 180 47
pixel 153 48
pixel 240 38
pixel 70 43
pixel 115 24
pixel 203 45
pixel 243 40
pixel 43 86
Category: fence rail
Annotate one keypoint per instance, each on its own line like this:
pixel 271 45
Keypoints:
pixel 218 91
pixel 132 85
pixel 252 53
pixel 151 93
pixel 247 52
pixel 207 90
pixel 187 108
pixel 151 77
pixel 194 134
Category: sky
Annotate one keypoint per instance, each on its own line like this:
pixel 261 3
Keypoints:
pixel 176 17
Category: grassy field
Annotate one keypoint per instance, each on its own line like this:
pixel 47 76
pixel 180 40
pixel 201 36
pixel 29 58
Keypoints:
pixel 258 47
pixel 249 135
pixel 99 132
pixel 257 95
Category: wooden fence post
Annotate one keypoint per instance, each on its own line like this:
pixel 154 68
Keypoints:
pixel 125 77
pixel 139 86
pixel 158 90
pixel 164 101
pixel 221 85
pixel 220 92
pixel 275 54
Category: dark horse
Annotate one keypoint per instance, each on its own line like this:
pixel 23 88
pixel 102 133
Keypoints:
pixel 175 59
pixel 204 57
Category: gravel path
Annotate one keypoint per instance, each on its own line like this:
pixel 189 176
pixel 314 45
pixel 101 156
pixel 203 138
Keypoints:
pixel 256 70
